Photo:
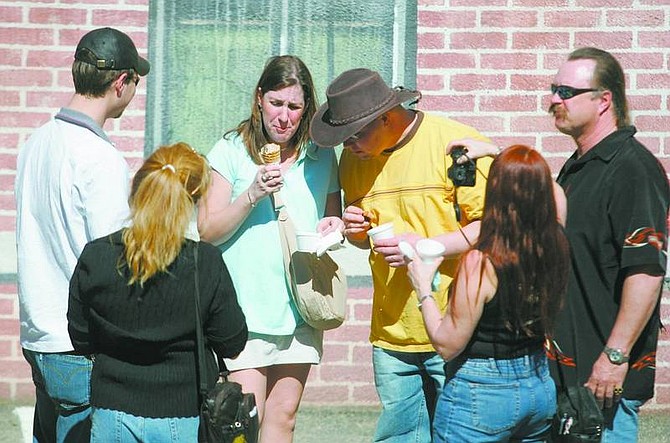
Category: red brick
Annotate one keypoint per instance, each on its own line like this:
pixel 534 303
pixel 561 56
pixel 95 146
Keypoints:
pixel 653 81
pixel 448 103
pixel 484 124
pixel 522 82
pixel 14 368
pixel 572 18
pixel 129 18
pixel 511 103
pixel 435 60
pixel 27 77
pixel 430 3
pixel 604 3
pixel 10 98
pixel 624 18
pixel 653 144
pixel 64 16
pixel 338 353
pixel 6 347
pixel 506 141
pixel 325 394
pixel 541 40
pixel 447 19
pixel 478 40
pixel 509 19
pixel 128 144
pixel 7 202
pixel 50 99
pixel 430 40
pixel 8 288
pixel 350 333
pixel 26 36
pixel 604 40
pixel 7 223
pixel 541 3
pixel 11 14
pixel 365 394
pixel 360 293
pixel 361 312
pixel 96 2
pixel 654 2
pixel 558 144
pixel 430 82
pixel 9 141
pixel 477 82
pixel 24 391
pixel 7 182
pixel 348 373
pixel 532 124
pixel 49 59
pixel 7 161
pixel 641 61
pixel 10 57
pixel 132 123
pixel 7 308
pixel 362 354
pixel 653 122
pixel 22 120
pixel 508 61
pixel 647 39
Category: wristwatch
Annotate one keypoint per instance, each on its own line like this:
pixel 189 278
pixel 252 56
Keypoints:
pixel 616 355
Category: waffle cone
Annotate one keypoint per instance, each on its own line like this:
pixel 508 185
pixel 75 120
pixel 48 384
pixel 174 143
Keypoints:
pixel 271 153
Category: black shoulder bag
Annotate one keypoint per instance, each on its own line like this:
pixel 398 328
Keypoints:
pixel 578 417
pixel 227 414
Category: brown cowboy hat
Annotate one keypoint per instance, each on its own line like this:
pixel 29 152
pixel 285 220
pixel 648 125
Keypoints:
pixel 353 100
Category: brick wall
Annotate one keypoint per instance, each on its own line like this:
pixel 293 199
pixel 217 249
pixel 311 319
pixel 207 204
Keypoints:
pixel 487 63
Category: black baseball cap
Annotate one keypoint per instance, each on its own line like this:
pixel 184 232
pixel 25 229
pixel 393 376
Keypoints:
pixel 108 48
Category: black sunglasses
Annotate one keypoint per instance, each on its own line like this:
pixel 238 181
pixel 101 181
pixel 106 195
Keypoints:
pixel 566 92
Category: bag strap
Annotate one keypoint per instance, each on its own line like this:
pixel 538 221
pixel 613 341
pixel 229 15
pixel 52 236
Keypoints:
pixel 287 238
pixel 200 345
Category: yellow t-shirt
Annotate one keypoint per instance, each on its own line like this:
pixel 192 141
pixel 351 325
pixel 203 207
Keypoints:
pixel 410 188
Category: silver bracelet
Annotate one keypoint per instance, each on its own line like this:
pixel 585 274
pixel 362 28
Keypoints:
pixel 423 299
pixel 251 202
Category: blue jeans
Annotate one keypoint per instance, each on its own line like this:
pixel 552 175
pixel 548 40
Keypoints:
pixel 496 400
pixel 62 391
pixel 624 425
pixel 111 426
pixel 408 384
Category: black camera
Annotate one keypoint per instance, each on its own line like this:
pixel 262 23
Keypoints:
pixel 462 175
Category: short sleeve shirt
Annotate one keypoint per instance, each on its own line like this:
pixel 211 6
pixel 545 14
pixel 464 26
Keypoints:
pixel 253 254
pixel 618 200
pixel 410 188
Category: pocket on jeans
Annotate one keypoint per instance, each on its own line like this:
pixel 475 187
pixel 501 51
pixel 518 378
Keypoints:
pixel 495 407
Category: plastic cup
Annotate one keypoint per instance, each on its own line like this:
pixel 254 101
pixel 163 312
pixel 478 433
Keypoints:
pixel 429 250
pixel 307 241
pixel 381 232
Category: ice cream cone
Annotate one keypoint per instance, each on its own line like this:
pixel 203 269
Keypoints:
pixel 271 153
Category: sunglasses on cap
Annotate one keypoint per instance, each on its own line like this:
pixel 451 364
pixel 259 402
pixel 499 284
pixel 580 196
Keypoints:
pixel 567 92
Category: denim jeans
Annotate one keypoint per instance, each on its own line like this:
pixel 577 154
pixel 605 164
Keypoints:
pixel 408 384
pixel 497 400
pixel 624 424
pixel 62 391
pixel 111 426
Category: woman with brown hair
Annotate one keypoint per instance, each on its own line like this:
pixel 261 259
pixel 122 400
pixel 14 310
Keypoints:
pixel 240 215
pixel 503 301
pixel 132 307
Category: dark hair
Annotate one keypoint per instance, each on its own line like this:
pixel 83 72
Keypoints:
pixel 609 75
pixel 92 82
pixel 521 236
pixel 280 72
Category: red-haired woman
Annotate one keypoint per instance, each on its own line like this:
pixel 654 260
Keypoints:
pixel 503 301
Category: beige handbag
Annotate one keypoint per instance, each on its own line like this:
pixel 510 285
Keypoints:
pixel 318 285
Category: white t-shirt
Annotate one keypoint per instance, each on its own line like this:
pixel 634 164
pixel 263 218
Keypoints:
pixel 72 187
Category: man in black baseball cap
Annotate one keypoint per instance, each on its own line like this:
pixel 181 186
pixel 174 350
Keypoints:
pixel 72 186
pixel 108 48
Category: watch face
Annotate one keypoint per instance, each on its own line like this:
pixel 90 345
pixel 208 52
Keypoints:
pixel 615 356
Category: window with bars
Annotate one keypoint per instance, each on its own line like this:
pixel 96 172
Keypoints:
pixel 207 55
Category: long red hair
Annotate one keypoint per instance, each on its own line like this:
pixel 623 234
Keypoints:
pixel 521 236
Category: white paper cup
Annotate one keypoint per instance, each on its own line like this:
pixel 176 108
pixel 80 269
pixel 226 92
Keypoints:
pixel 307 241
pixel 429 250
pixel 381 232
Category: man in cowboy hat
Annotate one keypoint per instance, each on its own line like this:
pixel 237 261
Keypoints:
pixel 394 170
pixel 72 186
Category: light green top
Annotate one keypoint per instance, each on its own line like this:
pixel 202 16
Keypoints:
pixel 253 254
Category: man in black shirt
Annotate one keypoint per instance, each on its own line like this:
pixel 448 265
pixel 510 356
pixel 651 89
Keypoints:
pixel 618 196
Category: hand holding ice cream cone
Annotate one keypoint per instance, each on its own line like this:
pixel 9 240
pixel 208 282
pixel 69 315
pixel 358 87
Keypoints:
pixel 271 155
